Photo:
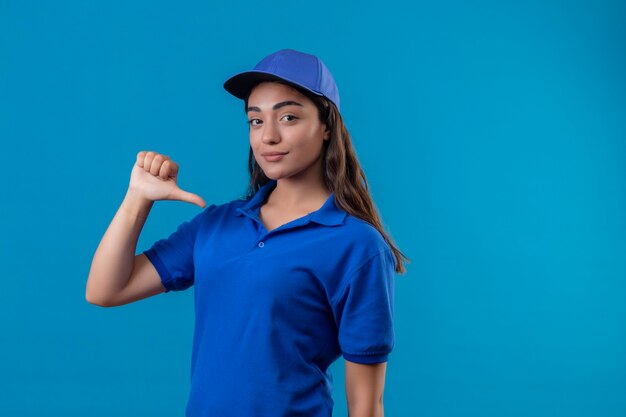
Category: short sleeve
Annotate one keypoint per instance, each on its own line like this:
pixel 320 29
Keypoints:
pixel 364 311
pixel 173 257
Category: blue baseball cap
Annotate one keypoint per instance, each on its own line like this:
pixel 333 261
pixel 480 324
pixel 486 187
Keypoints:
pixel 291 67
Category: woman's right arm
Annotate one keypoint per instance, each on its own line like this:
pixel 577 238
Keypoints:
pixel 118 276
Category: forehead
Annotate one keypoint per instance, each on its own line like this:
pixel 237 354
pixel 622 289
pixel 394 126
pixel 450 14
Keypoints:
pixel 271 92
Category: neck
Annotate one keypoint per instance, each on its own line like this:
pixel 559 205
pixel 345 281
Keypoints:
pixel 300 191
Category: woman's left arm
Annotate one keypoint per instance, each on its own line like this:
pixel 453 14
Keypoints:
pixel 365 384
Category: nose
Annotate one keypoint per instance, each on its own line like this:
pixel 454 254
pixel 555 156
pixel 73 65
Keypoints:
pixel 270 133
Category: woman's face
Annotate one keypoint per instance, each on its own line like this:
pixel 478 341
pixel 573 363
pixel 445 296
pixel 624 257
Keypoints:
pixel 286 134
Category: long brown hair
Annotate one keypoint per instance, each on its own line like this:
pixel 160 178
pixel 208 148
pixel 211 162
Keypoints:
pixel 341 169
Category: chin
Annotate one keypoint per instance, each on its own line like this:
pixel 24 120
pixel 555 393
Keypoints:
pixel 274 176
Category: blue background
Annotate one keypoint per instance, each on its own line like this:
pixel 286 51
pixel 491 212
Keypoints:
pixel 493 136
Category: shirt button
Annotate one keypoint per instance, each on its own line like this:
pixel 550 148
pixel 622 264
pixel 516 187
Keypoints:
pixel 261 244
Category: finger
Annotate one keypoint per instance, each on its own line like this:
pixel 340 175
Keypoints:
pixel 156 164
pixel 168 170
pixel 164 172
pixel 173 168
pixel 140 158
pixel 188 197
pixel 147 161
pixel 199 201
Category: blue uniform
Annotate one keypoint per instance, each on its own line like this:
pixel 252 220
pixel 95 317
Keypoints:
pixel 275 309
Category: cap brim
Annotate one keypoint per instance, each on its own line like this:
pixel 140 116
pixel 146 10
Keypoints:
pixel 239 85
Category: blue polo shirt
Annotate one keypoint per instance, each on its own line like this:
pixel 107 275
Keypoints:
pixel 274 309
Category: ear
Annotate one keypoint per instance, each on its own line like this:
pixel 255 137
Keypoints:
pixel 326 134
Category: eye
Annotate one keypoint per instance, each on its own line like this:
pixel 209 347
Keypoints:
pixel 291 116
pixel 251 122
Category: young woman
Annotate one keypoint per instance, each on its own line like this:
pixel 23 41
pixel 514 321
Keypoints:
pixel 286 280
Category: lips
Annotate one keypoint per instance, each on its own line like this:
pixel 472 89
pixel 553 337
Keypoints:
pixel 273 156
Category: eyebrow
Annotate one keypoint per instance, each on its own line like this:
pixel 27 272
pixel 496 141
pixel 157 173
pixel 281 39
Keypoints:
pixel 276 106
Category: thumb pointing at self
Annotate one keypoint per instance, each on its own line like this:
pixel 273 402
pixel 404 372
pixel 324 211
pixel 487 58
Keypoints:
pixel 155 177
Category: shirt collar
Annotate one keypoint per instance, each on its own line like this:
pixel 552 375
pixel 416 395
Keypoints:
pixel 329 214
